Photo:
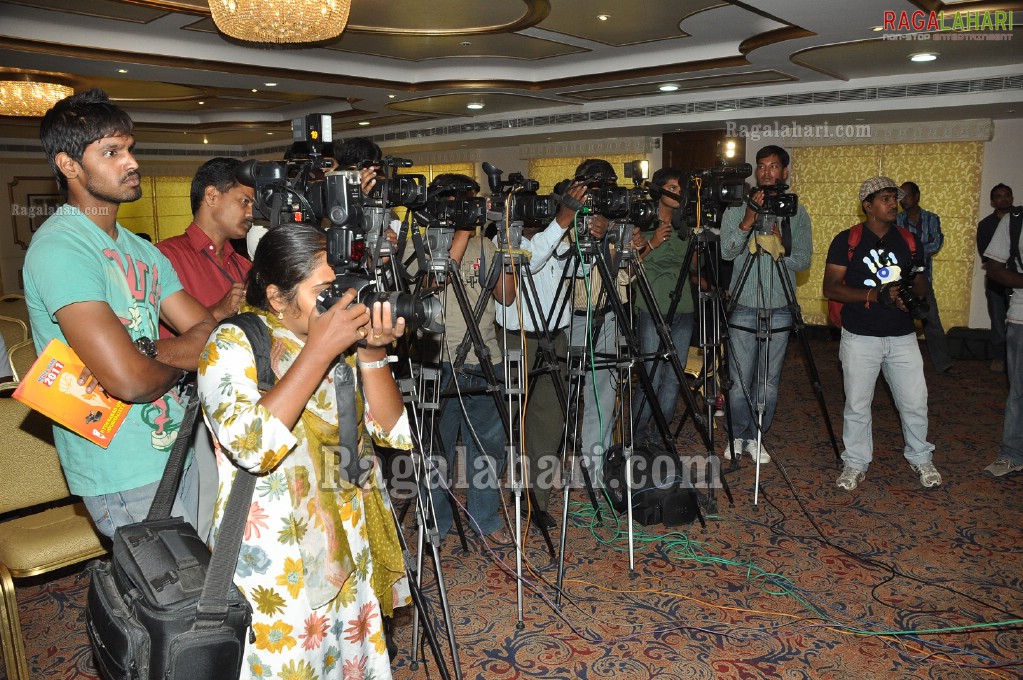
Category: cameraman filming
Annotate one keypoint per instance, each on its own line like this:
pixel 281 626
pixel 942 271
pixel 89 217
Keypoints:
pixel 874 279
pixel 778 244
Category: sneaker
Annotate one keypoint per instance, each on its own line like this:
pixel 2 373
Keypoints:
pixel 998 365
pixel 849 478
pixel 929 475
pixel 751 449
pixel 736 445
pixel 1002 467
pixel 719 405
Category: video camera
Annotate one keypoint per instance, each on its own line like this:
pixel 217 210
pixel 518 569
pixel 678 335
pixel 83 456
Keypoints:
pixel 775 201
pixel 623 204
pixel 517 199
pixel 451 208
pixel 299 191
pixel 393 189
pixel 707 192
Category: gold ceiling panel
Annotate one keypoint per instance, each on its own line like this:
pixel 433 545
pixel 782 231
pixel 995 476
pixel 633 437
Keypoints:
pixel 628 23
pixel 104 9
pixel 689 84
pixel 876 58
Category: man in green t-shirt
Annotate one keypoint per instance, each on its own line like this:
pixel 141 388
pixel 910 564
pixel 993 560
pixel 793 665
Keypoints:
pixel 96 286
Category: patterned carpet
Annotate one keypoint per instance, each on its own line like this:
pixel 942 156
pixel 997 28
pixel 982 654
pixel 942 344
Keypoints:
pixel 889 581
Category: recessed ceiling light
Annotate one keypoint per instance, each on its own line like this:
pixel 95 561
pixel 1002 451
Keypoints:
pixel 270 133
pixel 201 103
pixel 363 122
pixel 603 17
pixel 122 70
pixel 466 43
pixel 923 56
pixel 877 29
pixel 668 87
pixel 204 140
pixel 475 106
pixel 255 90
pixel 270 84
pixel 391 96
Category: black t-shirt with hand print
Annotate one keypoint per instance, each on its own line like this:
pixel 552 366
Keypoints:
pixel 875 261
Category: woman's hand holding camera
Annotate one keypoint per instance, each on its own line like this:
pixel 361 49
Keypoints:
pixel 382 330
pixel 341 326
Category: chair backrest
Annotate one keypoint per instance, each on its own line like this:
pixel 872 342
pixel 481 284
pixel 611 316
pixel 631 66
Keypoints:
pixel 13 305
pixel 31 469
pixel 21 357
pixel 13 330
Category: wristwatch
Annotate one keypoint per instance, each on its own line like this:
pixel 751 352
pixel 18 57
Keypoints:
pixel 146 346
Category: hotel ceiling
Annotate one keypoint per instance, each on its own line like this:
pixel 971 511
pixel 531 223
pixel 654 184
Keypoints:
pixel 403 64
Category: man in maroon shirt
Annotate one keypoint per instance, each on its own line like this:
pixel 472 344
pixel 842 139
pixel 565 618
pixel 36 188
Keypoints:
pixel 209 267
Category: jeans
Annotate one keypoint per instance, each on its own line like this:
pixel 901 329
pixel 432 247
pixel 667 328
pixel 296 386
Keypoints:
pixel 599 388
pixel 751 360
pixel 483 468
pixel 934 333
pixel 997 308
pixel 665 383
pixel 1012 433
pixel 117 509
pixel 898 357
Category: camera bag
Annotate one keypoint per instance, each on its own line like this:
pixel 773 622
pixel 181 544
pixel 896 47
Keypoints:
pixel 855 234
pixel 164 607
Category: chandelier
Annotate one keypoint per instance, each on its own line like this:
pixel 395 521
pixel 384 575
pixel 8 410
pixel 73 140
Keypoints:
pixel 281 21
pixel 30 98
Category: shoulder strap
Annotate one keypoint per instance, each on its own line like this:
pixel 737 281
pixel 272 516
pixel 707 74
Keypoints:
pixel 163 501
pixel 1015 227
pixel 907 235
pixel 258 336
pixel 855 234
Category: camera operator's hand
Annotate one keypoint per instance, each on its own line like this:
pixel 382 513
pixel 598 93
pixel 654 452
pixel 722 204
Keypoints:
pixel 566 214
pixel 368 177
pixel 888 296
pixel 661 235
pixel 337 329
pixel 750 217
pixel 639 241
pixel 597 225
pixel 383 331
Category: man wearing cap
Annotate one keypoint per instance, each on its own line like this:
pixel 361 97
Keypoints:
pixel 878 332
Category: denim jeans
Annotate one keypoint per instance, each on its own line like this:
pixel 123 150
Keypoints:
pixel 665 383
pixel 751 360
pixel 997 307
pixel 1012 433
pixel 483 467
pixel 899 359
pixel 934 333
pixel 117 509
pixel 599 389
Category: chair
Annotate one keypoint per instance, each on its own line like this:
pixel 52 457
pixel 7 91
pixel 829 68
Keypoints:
pixel 13 305
pixel 21 357
pixel 41 537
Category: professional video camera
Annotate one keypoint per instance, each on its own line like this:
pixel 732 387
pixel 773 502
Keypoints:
pixel 917 307
pixel 707 192
pixel 448 207
pixel 394 190
pixel 774 201
pixel 624 204
pixel 517 199
pixel 299 191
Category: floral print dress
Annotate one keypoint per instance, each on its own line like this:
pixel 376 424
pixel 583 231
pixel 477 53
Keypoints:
pixel 320 564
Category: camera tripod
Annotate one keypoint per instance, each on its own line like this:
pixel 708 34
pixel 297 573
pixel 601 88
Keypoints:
pixel 764 332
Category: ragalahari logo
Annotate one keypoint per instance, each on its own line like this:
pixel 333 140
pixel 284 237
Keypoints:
pixel 959 25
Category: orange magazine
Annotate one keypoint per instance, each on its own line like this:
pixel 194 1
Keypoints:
pixel 51 387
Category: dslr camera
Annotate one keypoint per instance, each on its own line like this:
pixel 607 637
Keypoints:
pixel 918 308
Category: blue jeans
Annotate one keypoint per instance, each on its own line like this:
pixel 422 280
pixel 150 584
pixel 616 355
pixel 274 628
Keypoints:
pixel 755 363
pixel 483 467
pixel 599 389
pixel 665 383
pixel 898 357
pixel 997 307
pixel 1012 433
pixel 117 509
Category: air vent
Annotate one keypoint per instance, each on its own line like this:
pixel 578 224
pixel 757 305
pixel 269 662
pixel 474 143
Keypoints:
pixel 922 90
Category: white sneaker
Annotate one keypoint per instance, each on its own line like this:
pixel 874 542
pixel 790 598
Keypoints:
pixel 737 445
pixel 929 475
pixel 751 449
pixel 849 478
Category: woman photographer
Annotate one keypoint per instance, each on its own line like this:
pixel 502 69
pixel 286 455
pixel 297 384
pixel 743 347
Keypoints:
pixel 320 561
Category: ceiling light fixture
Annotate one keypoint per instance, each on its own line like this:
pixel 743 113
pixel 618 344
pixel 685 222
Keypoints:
pixel 877 29
pixel 122 70
pixel 668 87
pixel 923 56
pixel 475 106
pixel 270 84
pixel 281 21
pixel 391 96
pixel 30 98
pixel 363 122
pixel 204 140
pixel 603 17
pixel 201 103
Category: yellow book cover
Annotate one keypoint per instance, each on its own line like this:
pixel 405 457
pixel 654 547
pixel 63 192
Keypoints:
pixel 51 387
